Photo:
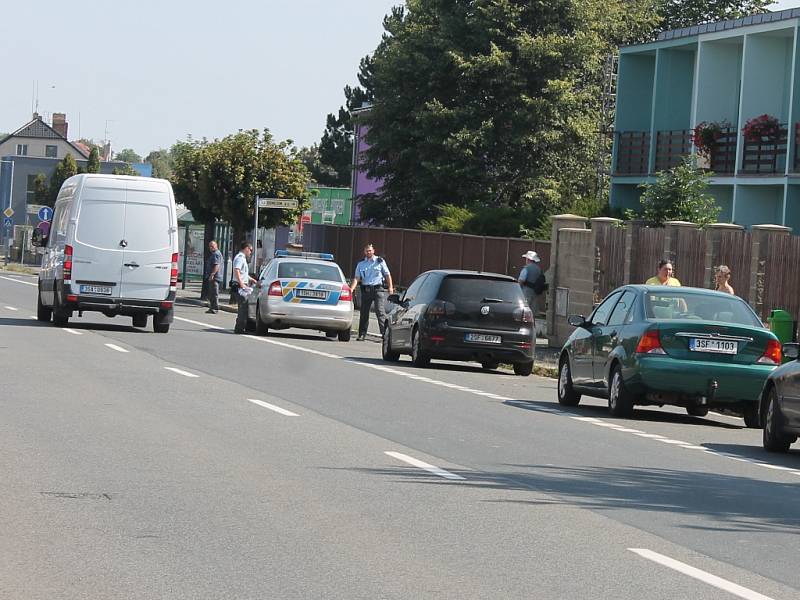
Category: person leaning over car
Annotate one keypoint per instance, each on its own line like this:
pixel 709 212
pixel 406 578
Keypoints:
pixel 664 276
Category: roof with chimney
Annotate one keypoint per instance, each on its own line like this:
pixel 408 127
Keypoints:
pixel 37 128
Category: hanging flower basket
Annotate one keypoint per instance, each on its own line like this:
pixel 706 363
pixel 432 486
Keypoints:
pixel 705 137
pixel 762 128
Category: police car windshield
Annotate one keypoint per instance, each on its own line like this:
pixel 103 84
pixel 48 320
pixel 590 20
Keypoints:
pixel 308 270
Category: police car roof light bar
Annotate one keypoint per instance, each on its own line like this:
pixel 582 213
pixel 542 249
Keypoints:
pixel 299 254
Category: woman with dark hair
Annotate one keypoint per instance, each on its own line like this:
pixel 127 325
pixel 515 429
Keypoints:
pixel 664 276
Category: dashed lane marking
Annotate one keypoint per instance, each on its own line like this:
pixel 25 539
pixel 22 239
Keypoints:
pixel 116 348
pixel 425 466
pixel 181 372
pixel 72 331
pixel 272 407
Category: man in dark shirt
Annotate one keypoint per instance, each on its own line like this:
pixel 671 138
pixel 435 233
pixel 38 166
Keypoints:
pixel 213 276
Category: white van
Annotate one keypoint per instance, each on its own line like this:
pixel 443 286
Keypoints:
pixel 112 247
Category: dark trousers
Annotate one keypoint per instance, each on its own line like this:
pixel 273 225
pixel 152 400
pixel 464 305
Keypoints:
pixel 213 294
pixel 241 314
pixel 370 294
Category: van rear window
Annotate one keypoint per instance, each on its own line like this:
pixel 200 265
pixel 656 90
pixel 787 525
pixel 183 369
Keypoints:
pixel 101 224
pixel 475 289
pixel 147 227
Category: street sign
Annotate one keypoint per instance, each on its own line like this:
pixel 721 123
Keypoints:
pixel 33 209
pixel 45 213
pixel 7 222
pixel 9 212
pixel 289 203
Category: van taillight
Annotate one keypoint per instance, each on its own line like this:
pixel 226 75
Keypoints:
pixel 275 289
pixel 173 273
pixel 346 295
pixel 68 264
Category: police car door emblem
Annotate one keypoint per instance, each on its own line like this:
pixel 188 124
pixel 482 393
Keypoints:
pixel 484 310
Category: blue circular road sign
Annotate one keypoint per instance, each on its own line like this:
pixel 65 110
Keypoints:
pixel 45 213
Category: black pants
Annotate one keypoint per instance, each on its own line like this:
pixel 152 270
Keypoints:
pixel 213 294
pixel 241 313
pixel 370 294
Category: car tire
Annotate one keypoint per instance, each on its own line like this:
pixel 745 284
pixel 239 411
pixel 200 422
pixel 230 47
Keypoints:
pixel 43 313
pixel 60 315
pixel 387 353
pixel 261 327
pixel 620 400
pixel 523 369
pixel 752 419
pixel 489 365
pixel 418 356
pixel 331 335
pixel 160 323
pixel 344 335
pixel 140 320
pixel 567 396
pixel 697 411
pixel 773 439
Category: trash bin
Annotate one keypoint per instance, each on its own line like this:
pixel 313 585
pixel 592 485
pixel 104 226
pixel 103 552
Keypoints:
pixel 782 324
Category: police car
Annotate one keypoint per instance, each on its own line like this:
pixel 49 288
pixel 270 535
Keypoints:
pixel 306 290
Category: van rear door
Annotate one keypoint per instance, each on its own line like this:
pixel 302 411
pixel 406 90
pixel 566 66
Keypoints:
pixel 150 236
pixel 97 254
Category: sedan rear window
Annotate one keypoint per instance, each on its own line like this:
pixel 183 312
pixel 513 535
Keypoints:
pixel 480 289
pixel 699 307
pixel 304 270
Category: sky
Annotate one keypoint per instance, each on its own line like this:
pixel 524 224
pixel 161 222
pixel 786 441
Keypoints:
pixel 152 72
pixel 148 73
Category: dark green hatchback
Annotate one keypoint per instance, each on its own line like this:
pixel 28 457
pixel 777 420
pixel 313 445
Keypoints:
pixel 657 345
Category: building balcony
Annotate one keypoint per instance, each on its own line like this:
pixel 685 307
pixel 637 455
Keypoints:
pixel 671 147
pixel 633 152
pixel 766 156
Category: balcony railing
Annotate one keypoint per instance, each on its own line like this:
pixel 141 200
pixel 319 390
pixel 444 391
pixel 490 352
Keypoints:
pixel 633 152
pixel 766 156
pixel 723 156
pixel 671 147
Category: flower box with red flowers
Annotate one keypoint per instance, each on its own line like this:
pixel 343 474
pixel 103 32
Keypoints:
pixel 763 128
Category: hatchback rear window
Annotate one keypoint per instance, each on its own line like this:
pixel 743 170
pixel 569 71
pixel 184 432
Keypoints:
pixel 303 270
pixel 699 307
pixel 480 289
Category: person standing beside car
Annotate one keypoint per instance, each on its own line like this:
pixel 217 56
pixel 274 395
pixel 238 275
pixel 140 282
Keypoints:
pixel 241 275
pixel 373 277
pixel 213 276
pixel 722 277
pixel 664 276
pixel 531 279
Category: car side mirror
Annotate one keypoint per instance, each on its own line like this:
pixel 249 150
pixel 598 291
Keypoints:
pixel 577 320
pixel 791 350
pixel 394 298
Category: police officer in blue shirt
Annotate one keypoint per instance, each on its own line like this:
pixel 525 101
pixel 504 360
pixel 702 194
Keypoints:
pixel 373 277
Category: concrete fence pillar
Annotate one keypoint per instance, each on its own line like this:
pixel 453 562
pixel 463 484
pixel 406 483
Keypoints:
pixel 761 236
pixel 559 222
pixel 714 233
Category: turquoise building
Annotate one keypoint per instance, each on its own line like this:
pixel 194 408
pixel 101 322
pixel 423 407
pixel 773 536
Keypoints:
pixel 725 73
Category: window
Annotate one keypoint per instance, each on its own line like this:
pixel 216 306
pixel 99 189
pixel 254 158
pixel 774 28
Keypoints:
pixel 30 190
pixel 621 310
pixel 22 149
pixel 602 312
pixel 460 289
pixel 414 288
pixel 308 270
pixel 699 307
pixel 51 151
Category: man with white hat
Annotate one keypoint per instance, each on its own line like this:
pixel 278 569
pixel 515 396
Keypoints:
pixel 531 279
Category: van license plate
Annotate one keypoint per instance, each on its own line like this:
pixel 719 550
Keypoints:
pixel 715 346
pixel 103 290
pixel 480 337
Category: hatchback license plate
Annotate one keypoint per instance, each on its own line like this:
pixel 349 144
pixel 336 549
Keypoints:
pixel 715 346
pixel 103 290
pixel 480 337
pixel 315 294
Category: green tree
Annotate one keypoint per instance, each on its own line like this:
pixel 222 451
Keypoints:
pixel 162 161
pixel 93 164
pixel 65 169
pixel 678 195
pixel 124 170
pixel 41 191
pixel 127 155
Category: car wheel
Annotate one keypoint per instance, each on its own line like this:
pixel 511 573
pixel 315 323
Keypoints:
pixel 60 315
pixel 344 335
pixel 160 323
pixel 752 419
pixel 140 320
pixel 620 400
pixel 489 365
pixel 418 356
pixel 697 411
pixel 567 396
pixel 43 313
pixel 386 347
pixel 331 334
pixel 261 327
pixel 523 369
pixel 774 439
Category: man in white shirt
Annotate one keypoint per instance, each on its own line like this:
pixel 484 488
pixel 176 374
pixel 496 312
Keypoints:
pixel 244 283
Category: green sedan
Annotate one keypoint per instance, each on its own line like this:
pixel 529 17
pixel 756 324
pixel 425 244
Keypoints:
pixel 657 345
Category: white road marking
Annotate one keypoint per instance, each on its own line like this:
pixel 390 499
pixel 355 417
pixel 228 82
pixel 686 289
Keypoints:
pixel 72 331
pixel 115 347
pixel 277 409
pixel 652 436
pixel 676 442
pixel 34 317
pixel 18 281
pixel 181 372
pixel 423 465
pixel 705 577
pixel 693 447
pixel 198 323
pixel 12 308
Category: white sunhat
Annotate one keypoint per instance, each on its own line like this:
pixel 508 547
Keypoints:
pixel 531 255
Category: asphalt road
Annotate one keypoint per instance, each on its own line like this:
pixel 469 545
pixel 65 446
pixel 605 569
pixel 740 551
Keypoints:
pixel 202 464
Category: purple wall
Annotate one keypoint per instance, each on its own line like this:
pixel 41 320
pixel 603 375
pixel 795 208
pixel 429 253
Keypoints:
pixel 362 183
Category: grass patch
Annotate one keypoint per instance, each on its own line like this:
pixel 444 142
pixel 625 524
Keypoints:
pixel 14 268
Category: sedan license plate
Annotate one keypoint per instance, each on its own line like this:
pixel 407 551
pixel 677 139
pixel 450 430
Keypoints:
pixel 715 346
pixel 483 338
pixel 103 290
pixel 315 294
